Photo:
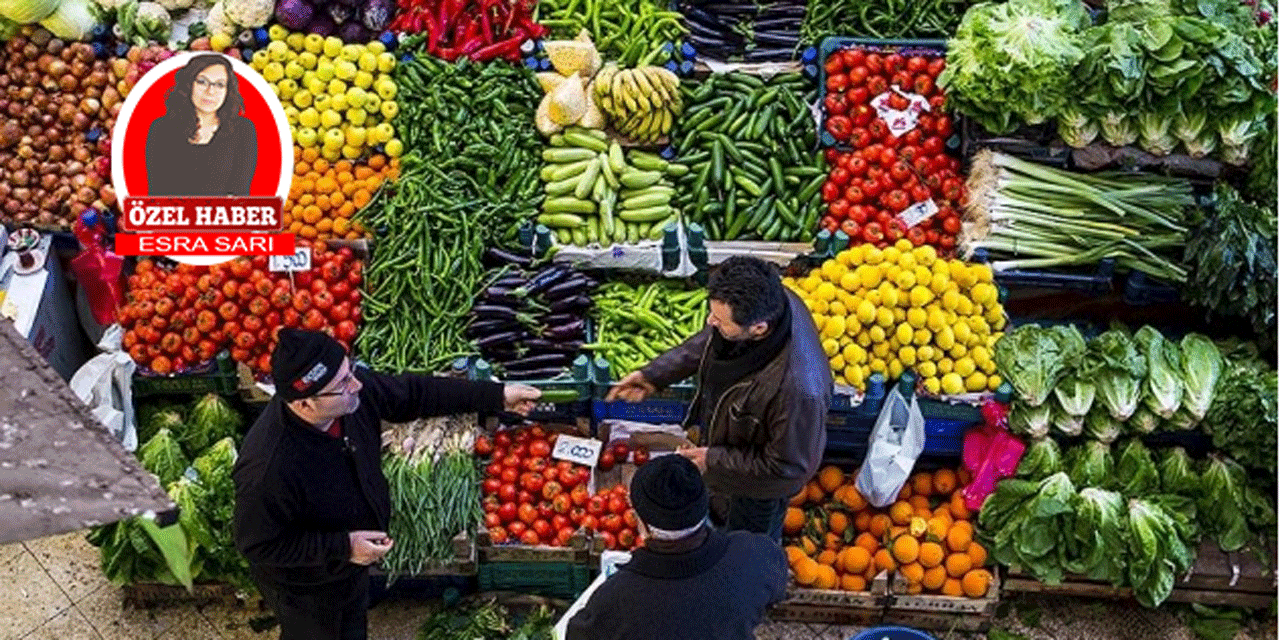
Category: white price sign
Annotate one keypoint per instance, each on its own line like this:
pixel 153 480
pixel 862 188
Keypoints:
pixel 584 451
pixel 299 261
pixel 918 212
pixel 902 120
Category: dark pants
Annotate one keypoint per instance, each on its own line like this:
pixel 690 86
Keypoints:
pixel 756 516
pixel 335 611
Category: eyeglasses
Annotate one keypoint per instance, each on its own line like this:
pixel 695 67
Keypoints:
pixel 344 387
pixel 205 84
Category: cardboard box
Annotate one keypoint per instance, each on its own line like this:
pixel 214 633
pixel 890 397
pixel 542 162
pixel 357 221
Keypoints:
pixel 42 307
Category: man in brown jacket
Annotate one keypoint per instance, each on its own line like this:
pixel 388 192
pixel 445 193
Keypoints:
pixel 764 386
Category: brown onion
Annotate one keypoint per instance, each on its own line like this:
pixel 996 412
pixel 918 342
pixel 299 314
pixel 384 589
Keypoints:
pixel 26 152
pixel 19 178
pixel 27 93
pixel 30 51
pixel 49 181
pixel 67 54
pixel 66 112
pixel 97 79
pixel 22 194
pixel 81 154
pixel 79 69
pixel 57 153
pixel 45 61
pixel 81 121
pixel 73 167
pixel 86 195
pixel 57 68
pixel 68 83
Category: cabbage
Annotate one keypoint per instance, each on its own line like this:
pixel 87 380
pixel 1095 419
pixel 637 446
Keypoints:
pixel 1222 503
pixel 1090 465
pixel 1157 554
pixel 73 20
pixel 1030 421
pixel 1076 129
pixel 1065 423
pixel 1162 391
pixel 1144 421
pixel 1098 533
pixel 1136 470
pixel 1029 523
pixel 1033 359
pixel 1154 135
pixel 162 456
pixel 1201 367
pixel 1041 460
pixel 1076 391
pixel 1119 128
pixel 27 11
pixel 211 419
pixel 1100 426
pixel 1178 474
pixel 1120 372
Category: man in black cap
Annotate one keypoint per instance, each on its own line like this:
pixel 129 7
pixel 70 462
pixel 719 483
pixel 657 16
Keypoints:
pixel 689 580
pixel 312 506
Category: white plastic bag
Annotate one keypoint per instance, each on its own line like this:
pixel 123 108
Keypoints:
pixel 104 383
pixel 896 442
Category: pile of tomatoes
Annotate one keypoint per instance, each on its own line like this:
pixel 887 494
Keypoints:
pixel 870 186
pixel 179 317
pixel 531 499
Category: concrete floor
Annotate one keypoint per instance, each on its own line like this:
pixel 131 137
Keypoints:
pixel 56 592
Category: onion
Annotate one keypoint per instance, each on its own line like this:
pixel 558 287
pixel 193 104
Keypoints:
pixel 86 195
pixel 22 194
pixel 14 110
pixel 26 152
pixel 97 79
pixel 84 54
pixel 81 154
pixel 66 112
pixel 78 180
pixel 31 165
pixel 79 69
pixel 67 54
pixel 30 51
pixel 45 219
pixel 62 192
pixel 43 62
pixel 81 121
pixel 12 205
pixel 68 83
pixel 110 97
pixel 27 92
pixel 49 181
pixel 108 194
pixel 93 180
pixel 40 144
pixel 73 167
pixel 14 163
pixel 4 190
pixel 20 178
pixel 57 68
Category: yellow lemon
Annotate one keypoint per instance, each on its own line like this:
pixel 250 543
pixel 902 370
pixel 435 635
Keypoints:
pixel 869 276
pixel 853 375
pixel 904 333
pixel 825 292
pixel 907 261
pixel 927 368
pixel 877 334
pixel 920 296
pixel 965 366
pixel 993 382
pixel 926 353
pixel 899 314
pixel 982 272
pixel 936 319
pixel 925 255
pixel 975 382
pixel 866 312
pixel 917 317
pixel 890 296
pixel 958 351
pixel 874 256
pixel 853 354
pixel 891 254
pixel 932 385
pixel 836 362
pixel 849 281
pixel 895 369
pixel 906 279
pixel 864 339
pixel 965 306
pixel 962 332
pixel 939 283
pixel 907 355
pixel 945 366
pixel 922 337
pixel 884 317
pixel 837 308
pixel 881 349
pixel 834 327
pixel 903 244
pixel 952 384
pixel 830 347
pixel 879 366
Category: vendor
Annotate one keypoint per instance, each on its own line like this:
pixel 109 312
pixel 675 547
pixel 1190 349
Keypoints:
pixel 688 580
pixel 764 387
pixel 312 506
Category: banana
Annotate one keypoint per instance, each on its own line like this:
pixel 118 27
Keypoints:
pixel 635 91
pixel 667 121
pixel 640 75
pixel 658 85
pixel 621 98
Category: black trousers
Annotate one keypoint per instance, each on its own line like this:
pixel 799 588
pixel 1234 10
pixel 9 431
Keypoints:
pixel 334 611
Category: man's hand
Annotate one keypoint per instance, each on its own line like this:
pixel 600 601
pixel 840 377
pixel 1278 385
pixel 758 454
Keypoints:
pixel 632 388
pixel 696 455
pixel 520 398
pixel 368 547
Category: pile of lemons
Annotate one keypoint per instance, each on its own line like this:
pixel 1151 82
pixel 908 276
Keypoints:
pixel 903 308
pixel 338 97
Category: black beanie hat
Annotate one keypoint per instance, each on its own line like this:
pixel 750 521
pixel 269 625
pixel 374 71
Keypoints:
pixel 304 362
pixel 668 493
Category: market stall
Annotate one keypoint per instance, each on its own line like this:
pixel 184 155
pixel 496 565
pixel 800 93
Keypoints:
pixel 535 192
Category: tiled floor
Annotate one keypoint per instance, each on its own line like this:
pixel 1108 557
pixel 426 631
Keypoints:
pixel 52 589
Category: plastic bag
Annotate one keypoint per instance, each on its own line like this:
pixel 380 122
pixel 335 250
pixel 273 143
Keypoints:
pixel 896 441
pixel 991 453
pixel 104 383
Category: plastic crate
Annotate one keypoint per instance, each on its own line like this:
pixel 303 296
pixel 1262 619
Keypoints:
pixel 934 48
pixel 1140 289
pixel 667 406
pixel 1037 143
pixel 550 579
pixel 216 376
pixel 577 378
pixel 848 434
pixel 1098 282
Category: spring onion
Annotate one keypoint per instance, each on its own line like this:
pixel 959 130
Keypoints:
pixel 1043 217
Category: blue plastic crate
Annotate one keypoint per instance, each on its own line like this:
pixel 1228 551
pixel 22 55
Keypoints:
pixel 945 437
pixel 892 633
pixel 1141 289
pixel 667 406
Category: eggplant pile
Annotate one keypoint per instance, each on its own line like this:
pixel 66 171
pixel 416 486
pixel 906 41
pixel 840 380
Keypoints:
pixel 729 31
pixel 531 324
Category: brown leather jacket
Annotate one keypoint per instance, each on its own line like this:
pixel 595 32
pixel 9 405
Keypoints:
pixel 768 430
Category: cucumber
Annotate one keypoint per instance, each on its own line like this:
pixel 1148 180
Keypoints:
pixel 639 179
pixel 588 179
pixel 558 396
pixel 584 141
pixel 567 154
pixel 646 201
pixel 562 220
pixel 568 205
pixel 648 214
pixel 647 161
pixel 562 171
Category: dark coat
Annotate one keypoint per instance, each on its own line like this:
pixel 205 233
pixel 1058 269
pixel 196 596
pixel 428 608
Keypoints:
pixel 718 591
pixel 766 433
pixel 223 167
pixel 300 491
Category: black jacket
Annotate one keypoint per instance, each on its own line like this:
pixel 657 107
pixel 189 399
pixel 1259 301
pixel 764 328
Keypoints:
pixel 767 432
pixel 224 166
pixel 718 591
pixel 300 491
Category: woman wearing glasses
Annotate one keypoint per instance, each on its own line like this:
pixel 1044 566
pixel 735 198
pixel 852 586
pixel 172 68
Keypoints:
pixel 202 146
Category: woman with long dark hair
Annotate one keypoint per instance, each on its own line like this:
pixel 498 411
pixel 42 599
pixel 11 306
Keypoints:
pixel 203 145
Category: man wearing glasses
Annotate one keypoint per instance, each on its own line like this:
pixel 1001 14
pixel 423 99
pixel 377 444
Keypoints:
pixel 312 505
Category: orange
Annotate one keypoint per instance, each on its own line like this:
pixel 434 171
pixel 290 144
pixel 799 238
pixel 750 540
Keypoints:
pixel 862 521
pixel 793 521
pixel 905 549
pixel 939 526
pixel 879 526
pixel 975 583
pixel 830 478
pixel 951 587
pixel 828 557
pixel 958 564
pixel 944 482
pixel 832 541
pixel 827 578
pixel 308 232
pixel 856 559
pixel 923 513
pixel 977 554
pixel 361 198
pixel 918 502
pixel 851 582
pixel 341 226
pixel 913 573
pixel 934 577
pixel 931 555
pixel 870 573
pixel 853 499
pixel 918 527
pixel 959 536
pixel 915 589
pixel 896 531
pixel 944 511
pixel 901 512
pixel 798 499
pixel 905 493
pixel 324 225
pixel 808 545
pixel 794 554
pixel 806 571
pixel 868 542
pixel 958 508
pixel 816 494
pixel 378 161
pixel 922 484
pixel 964 476
pixel 884 561
pixel 838 522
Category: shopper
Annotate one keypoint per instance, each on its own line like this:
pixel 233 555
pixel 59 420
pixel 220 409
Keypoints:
pixel 688 580
pixel 764 387
pixel 312 505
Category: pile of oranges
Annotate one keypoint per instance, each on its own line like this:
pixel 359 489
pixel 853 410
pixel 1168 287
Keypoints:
pixel 836 540
pixel 325 196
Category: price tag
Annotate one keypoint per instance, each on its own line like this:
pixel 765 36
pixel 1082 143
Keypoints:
pixel 299 261
pixel 584 451
pixel 918 212
pixel 900 121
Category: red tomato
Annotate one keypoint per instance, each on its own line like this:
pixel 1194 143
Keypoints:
pixel 877 85
pixel 498 535
pixel 551 489
pixel 858 76
pixel 531 538
pixel 916 64
pixel 851 228
pixel 838 210
pixel 611 523
pixel 839 127
pixel 916 235
pixel 878 129
pixel 617 505
pixel 875 63
pixel 853 57
pixel 610 540
pixel 872 232
pixel 564 535
pixel 527 513
pixel 829 223
pixel 936 66
pixel 830 192
pixel 862 115
pixel 858 95
pixel 860 137
pixel 835 104
pixel 561 503
pixel 899 171
pixel 580 495
pixel 857 166
pixel 896 229
pixel 923 85
pixel 834 64
pixel 543 529
pixel 508 512
pixel 531 481
pixel 597 506
pixel 852 195
pixel 515 529
pixel 539 448
pixel 640 456
pixel 491 485
pixel 919 193
pixel 951 226
pixel 840 176
pixel 897 200
pixel 837 82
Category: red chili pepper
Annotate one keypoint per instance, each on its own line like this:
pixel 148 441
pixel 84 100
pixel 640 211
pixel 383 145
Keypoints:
pixel 498 49
pixel 488 28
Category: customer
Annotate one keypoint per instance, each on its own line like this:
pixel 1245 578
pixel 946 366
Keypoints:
pixel 688 580
pixel 312 505
pixel 764 387
pixel 202 145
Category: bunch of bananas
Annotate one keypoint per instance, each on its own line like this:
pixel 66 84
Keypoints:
pixel 642 103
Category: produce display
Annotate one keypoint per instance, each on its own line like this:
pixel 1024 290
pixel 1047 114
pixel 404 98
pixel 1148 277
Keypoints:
pixel 898 181
pixel 881 19
pixel 56 108
pixel 531 499
pixel 324 197
pixel 904 308
pixel 748 144
pixel 635 324
pixel 530 324
pixel 1016 208
pixel 569 103
pixel 836 540
pixel 470 179
pixel 752 33
pixel 1242 416
pixel 478 30
pixel 487 620
pixel 631 32
pixel 642 103
pixel 596 194
pixel 177 318
pixel 203 437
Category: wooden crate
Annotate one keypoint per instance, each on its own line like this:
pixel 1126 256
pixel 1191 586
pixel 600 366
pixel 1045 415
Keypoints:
pixel 832 606
pixel 578 551
pixel 463 562
pixel 942 613
pixel 147 595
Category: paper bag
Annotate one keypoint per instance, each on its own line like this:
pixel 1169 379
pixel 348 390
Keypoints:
pixel 104 383
pixel 896 442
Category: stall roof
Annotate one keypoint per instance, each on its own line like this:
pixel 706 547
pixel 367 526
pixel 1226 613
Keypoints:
pixel 60 470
